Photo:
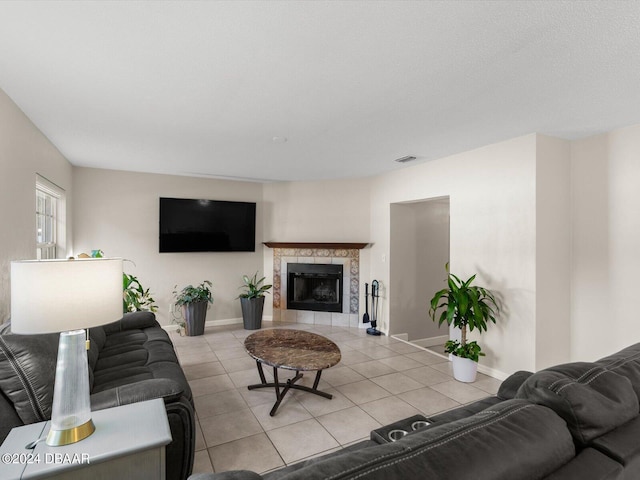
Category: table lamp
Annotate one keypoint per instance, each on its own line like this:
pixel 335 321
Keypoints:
pixel 67 296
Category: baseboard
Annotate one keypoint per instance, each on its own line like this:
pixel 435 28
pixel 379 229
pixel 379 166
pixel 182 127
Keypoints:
pixel 401 336
pixel 492 372
pixel 431 341
pixel 218 323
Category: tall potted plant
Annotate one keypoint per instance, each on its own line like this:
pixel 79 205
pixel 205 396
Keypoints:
pixel 252 301
pixel 465 306
pixel 194 302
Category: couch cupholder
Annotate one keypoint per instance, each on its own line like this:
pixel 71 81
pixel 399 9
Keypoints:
pixel 396 434
pixel 382 435
pixel 419 424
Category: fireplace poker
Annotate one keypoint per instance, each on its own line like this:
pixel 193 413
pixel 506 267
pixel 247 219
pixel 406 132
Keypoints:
pixel 365 317
pixel 374 309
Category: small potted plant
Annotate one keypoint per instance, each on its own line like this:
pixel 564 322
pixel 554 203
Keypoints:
pixel 194 302
pixel 252 301
pixel 465 306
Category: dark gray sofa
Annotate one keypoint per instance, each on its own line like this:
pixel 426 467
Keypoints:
pixel 131 360
pixel 577 421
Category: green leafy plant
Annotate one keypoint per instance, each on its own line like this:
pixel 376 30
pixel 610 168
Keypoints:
pixel 252 287
pixel 135 297
pixel 191 294
pixel 470 350
pixel 465 306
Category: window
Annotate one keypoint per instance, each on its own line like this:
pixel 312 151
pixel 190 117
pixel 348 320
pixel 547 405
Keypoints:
pixel 50 229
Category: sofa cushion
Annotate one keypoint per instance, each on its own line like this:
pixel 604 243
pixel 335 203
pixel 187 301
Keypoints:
pixel 591 399
pixel 132 320
pixel 27 373
pixel 463 411
pixel 135 355
pixel 626 363
pixel 589 464
pixel 511 440
pixel 623 446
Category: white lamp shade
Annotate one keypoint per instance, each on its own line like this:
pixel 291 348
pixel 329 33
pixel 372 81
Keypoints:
pixel 50 296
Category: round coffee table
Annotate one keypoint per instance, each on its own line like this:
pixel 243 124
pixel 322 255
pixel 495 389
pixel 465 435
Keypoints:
pixel 292 350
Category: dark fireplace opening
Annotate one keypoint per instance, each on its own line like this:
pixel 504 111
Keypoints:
pixel 316 287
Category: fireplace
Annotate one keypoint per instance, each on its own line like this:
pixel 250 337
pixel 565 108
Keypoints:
pixel 315 287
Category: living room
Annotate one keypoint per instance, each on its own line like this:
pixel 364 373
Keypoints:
pixel 548 221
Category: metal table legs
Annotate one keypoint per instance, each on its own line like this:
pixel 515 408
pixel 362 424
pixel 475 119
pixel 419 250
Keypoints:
pixel 290 384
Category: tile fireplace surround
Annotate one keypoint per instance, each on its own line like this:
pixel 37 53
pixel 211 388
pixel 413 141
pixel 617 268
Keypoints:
pixel 347 255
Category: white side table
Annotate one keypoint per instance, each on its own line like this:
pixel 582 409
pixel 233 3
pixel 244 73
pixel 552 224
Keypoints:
pixel 128 444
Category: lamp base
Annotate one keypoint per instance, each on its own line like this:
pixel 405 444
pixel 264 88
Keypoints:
pixel 57 438
pixel 71 407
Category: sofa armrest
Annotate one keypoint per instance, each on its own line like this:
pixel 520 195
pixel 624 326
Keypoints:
pixel 131 321
pixel 231 475
pixel 167 389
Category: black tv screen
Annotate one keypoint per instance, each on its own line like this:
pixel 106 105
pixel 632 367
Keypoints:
pixel 207 226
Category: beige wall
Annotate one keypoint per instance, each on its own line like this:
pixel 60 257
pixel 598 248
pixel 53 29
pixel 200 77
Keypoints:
pixel 24 152
pixel 493 201
pixel 553 251
pixel 419 245
pixel 606 240
pixel 118 212
pixel 321 211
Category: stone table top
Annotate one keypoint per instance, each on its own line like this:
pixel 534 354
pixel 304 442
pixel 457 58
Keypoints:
pixel 292 349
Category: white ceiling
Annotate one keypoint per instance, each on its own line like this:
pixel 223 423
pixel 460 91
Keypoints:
pixel 203 87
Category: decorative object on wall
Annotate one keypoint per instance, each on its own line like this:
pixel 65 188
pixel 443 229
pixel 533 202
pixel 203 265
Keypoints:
pixel 465 306
pixel 252 301
pixel 193 303
pixel 67 296
pixel 375 295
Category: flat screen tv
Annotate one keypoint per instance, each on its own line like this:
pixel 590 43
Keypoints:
pixel 188 225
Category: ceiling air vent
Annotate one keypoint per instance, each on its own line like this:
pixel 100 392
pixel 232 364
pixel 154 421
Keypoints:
pixel 408 158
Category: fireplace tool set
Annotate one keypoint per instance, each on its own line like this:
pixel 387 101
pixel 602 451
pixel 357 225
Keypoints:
pixel 375 295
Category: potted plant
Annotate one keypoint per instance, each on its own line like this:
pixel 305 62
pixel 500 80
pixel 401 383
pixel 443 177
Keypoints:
pixel 135 297
pixel 194 302
pixel 465 306
pixel 252 301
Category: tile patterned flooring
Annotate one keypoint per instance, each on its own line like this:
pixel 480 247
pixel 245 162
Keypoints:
pixel 378 381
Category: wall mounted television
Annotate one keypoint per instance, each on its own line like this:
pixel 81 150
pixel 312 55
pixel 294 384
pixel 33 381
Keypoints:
pixel 188 225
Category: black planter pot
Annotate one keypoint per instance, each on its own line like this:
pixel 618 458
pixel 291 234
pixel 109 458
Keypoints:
pixel 252 312
pixel 194 316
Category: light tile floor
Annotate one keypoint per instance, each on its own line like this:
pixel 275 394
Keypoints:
pixel 380 380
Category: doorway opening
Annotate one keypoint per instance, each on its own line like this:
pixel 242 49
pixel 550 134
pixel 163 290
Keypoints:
pixel 419 251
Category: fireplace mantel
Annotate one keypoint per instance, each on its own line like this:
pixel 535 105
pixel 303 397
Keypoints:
pixel 330 245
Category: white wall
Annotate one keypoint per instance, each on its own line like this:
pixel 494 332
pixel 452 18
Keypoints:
pixel 118 212
pixel 24 151
pixel 493 203
pixel 606 240
pixel 419 236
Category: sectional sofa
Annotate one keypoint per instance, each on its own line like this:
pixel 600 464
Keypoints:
pixel 131 360
pixel 577 421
